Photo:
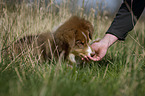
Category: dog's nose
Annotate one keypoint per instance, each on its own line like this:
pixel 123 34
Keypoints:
pixel 92 54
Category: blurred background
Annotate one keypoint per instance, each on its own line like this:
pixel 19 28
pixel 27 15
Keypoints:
pixel 120 73
pixel 111 6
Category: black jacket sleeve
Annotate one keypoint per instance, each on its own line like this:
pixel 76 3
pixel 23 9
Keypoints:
pixel 125 18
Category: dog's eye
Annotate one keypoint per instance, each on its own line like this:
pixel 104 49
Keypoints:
pixel 82 42
pixel 78 42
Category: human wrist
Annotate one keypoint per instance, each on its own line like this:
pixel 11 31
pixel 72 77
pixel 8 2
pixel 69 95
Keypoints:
pixel 108 40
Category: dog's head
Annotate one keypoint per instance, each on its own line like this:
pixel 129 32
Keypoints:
pixel 82 47
pixel 73 37
pixel 83 36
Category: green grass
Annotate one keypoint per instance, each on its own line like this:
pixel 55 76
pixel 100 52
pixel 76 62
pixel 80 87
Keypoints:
pixel 120 73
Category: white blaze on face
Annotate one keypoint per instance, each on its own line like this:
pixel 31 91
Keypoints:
pixel 84 35
pixel 89 50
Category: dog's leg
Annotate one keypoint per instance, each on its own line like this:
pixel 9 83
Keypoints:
pixel 72 58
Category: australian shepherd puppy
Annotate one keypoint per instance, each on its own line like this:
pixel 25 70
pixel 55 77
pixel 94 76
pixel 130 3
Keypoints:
pixel 69 40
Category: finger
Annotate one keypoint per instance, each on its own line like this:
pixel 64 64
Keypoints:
pixel 84 57
pixel 92 58
pixel 98 58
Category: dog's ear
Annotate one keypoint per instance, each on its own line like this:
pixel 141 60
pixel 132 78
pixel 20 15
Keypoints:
pixel 69 39
pixel 88 27
pixel 90 34
pixel 65 42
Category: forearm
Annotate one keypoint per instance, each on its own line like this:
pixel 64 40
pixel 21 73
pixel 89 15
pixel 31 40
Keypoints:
pixel 108 40
pixel 124 21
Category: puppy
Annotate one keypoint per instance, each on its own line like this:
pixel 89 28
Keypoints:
pixel 70 39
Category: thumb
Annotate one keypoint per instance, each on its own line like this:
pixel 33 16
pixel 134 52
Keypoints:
pixel 100 55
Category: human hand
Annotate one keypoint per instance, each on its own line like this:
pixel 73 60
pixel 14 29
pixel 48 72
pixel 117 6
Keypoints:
pixel 102 46
pixel 100 51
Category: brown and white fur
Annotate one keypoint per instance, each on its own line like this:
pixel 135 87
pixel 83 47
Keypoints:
pixel 71 38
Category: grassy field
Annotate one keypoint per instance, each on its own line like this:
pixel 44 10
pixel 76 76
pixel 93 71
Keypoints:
pixel 120 73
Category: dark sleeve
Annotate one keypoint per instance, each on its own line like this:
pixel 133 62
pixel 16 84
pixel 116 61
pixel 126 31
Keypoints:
pixel 124 20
